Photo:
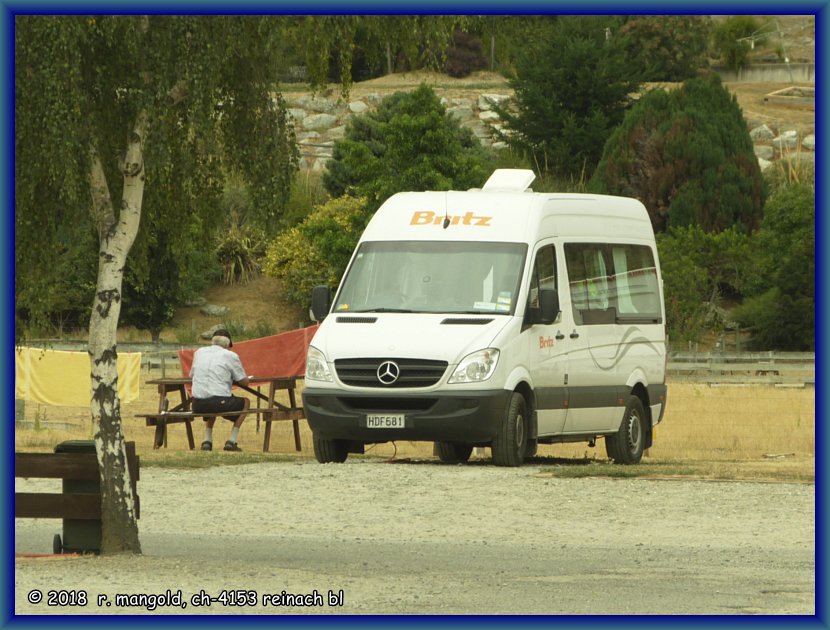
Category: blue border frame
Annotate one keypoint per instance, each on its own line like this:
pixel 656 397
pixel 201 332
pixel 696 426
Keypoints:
pixel 9 8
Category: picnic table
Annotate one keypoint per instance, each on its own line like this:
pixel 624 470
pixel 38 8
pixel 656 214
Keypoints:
pixel 171 388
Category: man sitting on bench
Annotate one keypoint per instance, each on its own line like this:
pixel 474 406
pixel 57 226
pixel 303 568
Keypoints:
pixel 214 371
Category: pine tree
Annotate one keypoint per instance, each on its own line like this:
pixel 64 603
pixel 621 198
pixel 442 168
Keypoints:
pixel 688 157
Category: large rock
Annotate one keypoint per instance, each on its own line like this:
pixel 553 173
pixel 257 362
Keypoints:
pixel 486 101
pixel 764 151
pixel 319 121
pixel 214 310
pixel 319 104
pixel 786 140
pixel 761 133
pixel 461 113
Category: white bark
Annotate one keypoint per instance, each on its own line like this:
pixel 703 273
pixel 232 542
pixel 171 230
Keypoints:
pixel 116 235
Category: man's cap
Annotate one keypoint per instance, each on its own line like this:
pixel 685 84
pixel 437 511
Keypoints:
pixel 221 332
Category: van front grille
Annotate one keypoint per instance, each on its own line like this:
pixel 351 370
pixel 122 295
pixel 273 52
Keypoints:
pixel 410 372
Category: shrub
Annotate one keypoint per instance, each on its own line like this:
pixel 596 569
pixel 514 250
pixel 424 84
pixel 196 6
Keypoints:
pixel 781 313
pixel 464 55
pixel 687 155
pixel 699 269
pixel 409 143
pixel 317 250
pixel 238 250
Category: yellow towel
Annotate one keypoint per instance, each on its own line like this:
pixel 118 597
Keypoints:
pixel 55 377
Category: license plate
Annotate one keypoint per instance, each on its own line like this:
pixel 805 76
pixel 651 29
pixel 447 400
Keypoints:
pixel 386 421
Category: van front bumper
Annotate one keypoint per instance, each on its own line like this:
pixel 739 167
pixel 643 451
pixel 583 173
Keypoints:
pixel 471 417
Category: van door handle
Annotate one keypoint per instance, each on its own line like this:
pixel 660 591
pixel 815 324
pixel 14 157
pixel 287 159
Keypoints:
pixel 574 335
pixel 559 335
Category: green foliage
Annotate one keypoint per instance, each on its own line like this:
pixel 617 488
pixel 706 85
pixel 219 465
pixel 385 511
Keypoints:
pixel 687 155
pixel 667 47
pixel 306 193
pixel 205 85
pixel 572 87
pixel 409 143
pixel 781 313
pixel 334 44
pixel 54 288
pixel 317 250
pixel 238 250
pixel 149 300
pixel 725 38
pixel 698 269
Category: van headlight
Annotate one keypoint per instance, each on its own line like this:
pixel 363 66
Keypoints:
pixel 476 367
pixel 316 366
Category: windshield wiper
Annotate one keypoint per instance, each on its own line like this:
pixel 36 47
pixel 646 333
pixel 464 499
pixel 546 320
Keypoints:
pixel 382 310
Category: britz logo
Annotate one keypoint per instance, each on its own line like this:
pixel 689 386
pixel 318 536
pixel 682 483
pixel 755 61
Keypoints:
pixel 545 342
pixel 426 217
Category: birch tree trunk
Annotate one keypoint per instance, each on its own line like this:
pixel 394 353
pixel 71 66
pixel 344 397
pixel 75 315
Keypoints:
pixel 116 236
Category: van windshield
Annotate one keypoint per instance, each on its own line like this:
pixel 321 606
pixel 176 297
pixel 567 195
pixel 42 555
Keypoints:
pixel 433 277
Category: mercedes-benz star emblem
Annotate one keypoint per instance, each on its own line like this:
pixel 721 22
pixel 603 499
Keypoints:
pixel 388 372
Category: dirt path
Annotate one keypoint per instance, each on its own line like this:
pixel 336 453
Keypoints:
pixel 415 538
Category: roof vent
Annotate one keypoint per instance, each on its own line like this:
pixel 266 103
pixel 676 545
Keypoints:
pixel 510 179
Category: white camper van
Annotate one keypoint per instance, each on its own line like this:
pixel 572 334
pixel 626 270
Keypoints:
pixel 497 317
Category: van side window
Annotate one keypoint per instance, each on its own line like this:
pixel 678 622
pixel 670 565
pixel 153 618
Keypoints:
pixel 637 284
pixel 543 275
pixel 612 283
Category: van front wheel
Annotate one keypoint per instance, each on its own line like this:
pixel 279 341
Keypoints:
pixel 509 446
pixel 626 445
pixel 453 453
pixel 330 451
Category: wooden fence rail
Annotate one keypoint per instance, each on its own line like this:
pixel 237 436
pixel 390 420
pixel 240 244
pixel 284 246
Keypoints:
pixel 768 368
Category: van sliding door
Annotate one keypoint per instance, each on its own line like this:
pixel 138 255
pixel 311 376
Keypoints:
pixel 547 353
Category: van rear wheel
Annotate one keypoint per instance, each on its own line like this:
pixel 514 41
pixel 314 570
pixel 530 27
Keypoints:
pixel 509 446
pixel 626 445
pixel 452 452
pixel 330 451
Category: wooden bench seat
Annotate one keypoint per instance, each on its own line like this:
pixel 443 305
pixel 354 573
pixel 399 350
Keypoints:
pixel 161 419
pixel 72 506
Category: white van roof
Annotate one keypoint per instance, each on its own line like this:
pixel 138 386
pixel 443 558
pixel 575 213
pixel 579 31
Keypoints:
pixel 505 211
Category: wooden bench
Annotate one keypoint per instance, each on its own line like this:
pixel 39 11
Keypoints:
pixel 77 467
pixel 161 419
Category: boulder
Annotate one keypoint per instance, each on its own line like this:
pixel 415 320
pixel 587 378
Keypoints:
pixel 461 113
pixel 486 101
pixel 764 151
pixel 214 310
pixel 319 121
pixel 786 140
pixel 761 133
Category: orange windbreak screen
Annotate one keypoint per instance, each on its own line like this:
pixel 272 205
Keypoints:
pixel 277 355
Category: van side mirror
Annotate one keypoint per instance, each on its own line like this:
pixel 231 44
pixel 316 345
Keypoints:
pixel 320 302
pixel 548 306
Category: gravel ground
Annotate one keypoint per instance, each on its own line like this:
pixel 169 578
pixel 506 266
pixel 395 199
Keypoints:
pixel 417 537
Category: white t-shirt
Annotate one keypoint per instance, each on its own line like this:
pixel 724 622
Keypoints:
pixel 214 371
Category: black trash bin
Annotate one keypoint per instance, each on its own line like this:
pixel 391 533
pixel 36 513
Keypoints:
pixel 79 535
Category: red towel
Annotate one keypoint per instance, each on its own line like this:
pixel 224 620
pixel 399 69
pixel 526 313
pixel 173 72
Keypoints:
pixel 277 355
